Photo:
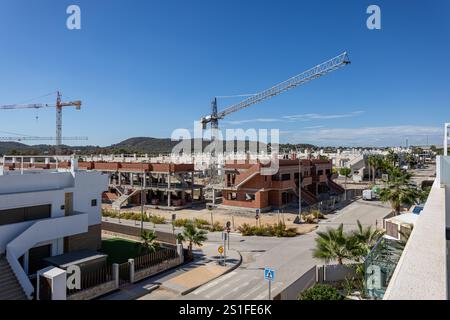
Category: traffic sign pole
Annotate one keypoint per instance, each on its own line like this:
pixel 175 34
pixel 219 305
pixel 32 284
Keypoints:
pixel 270 289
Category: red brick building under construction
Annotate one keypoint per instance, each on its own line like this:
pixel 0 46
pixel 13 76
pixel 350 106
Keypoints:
pixel 247 188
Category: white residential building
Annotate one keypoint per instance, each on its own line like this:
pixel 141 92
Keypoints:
pixel 45 213
pixel 422 273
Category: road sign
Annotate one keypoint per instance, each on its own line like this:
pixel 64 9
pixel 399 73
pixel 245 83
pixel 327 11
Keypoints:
pixel 269 274
pixel 228 224
pixel 220 249
pixel 257 214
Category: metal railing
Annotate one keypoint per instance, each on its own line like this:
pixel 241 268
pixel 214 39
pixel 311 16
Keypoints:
pixel 90 279
pixel 154 258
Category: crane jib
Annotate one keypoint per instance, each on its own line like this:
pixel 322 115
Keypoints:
pixel 306 76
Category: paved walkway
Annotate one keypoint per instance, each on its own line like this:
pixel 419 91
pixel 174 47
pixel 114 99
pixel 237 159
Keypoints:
pixel 181 280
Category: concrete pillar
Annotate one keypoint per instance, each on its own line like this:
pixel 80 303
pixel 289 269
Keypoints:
pixel 131 179
pixel 47 160
pixel 168 180
pixel 180 252
pixel 144 179
pixel 168 198
pixel 214 196
pixel 131 263
pixel 32 160
pixel 115 274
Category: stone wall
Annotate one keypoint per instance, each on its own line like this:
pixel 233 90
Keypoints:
pixel 94 292
pixel 145 273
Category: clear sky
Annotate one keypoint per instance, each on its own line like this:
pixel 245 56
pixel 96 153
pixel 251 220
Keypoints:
pixel 147 67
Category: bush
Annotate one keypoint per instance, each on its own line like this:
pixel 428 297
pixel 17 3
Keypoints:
pixel 157 219
pixel 201 223
pixel 276 230
pixel 181 222
pixel 321 292
pixel 215 227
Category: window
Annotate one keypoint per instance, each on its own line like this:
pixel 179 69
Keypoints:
pixel 93 202
pixel 232 196
pixel 25 214
pixel 286 176
pixel 250 197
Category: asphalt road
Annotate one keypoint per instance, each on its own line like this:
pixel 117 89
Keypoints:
pixel 289 257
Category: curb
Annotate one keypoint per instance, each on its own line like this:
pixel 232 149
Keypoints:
pixel 185 292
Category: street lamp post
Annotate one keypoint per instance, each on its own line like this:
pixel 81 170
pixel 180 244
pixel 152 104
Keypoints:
pixel 142 200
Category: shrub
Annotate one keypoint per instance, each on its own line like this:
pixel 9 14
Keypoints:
pixel 245 229
pixel 201 223
pixel 321 292
pixel 276 230
pixel 181 222
pixel 157 219
pixel 216 227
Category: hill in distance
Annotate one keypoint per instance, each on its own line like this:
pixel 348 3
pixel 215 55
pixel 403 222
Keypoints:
pixel 141 145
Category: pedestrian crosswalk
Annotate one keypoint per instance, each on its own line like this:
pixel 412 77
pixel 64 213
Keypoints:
pixel 236 285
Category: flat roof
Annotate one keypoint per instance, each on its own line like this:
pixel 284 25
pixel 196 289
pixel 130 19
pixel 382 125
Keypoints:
pixel 75 257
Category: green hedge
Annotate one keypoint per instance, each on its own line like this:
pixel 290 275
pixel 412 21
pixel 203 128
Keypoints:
pixel 275 230
pixel 321 292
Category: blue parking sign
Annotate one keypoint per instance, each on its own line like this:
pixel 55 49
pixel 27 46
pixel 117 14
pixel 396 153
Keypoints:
pixel 269 274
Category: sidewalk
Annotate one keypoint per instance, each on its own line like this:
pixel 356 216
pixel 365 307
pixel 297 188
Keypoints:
pixel 181 280
pixel 191 280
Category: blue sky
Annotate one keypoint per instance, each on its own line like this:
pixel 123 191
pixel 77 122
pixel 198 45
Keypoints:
pixel 145 68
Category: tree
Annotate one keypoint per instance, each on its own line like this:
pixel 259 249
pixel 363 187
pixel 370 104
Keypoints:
pixel 334 244
pixel 193 236
pixel 148 238
pixel 397 190
pixel 364 240
pixel 392 157
pixel 344 171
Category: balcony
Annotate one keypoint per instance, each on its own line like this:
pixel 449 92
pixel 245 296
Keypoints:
pixel 421 273
pixel 320 179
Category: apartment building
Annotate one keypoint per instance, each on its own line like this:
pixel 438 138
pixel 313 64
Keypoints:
pixel 162 185
pixel 45 213
pixel 422 272
pixel 247 187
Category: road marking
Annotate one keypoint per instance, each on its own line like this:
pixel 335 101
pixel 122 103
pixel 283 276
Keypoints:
pixel 222 287
pixel 214 282
pixel 254 289
pixel 243 285
pixel 266 294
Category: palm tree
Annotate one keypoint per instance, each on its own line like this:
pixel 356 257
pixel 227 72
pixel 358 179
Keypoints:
pixel 344 171
pixel 193 236
pixel 148 238
pixel 397 190
pixel 392 157
pixel 365 239
pixel 333 244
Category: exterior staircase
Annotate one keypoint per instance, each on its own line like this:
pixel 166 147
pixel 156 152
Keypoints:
pixel 333 185
pixel 117 204
pixel 309 197
pixel 10 288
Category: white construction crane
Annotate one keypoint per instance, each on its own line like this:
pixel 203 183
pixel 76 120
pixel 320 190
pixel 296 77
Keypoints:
pixel 59 106
pixel 304 77
pixel 8 139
